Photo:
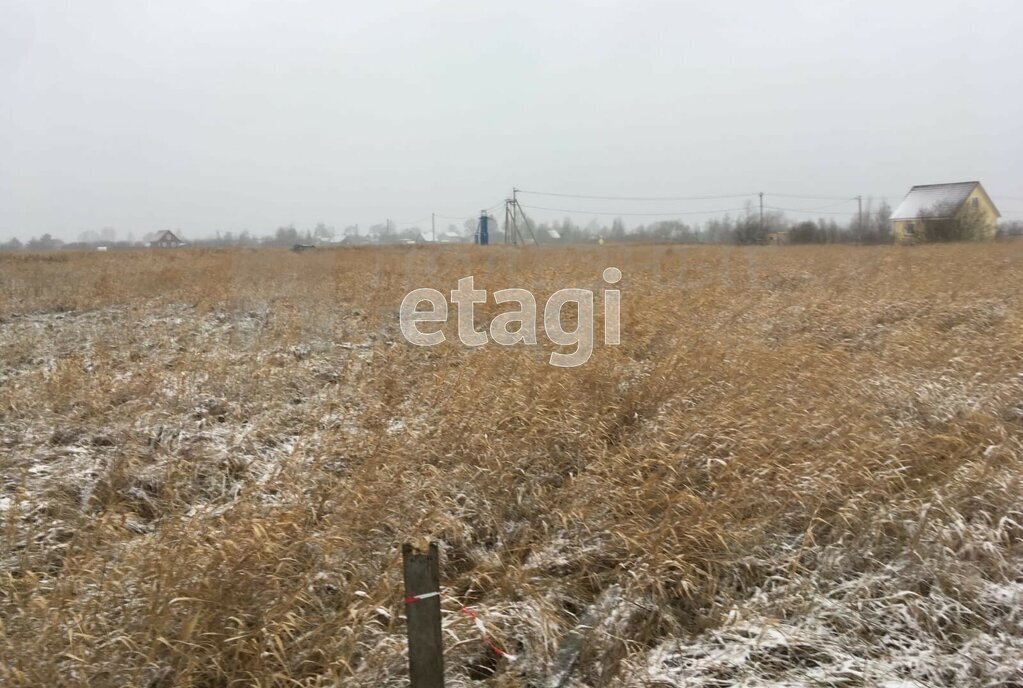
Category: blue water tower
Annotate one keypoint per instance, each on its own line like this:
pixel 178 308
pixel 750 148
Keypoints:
pixel 483 231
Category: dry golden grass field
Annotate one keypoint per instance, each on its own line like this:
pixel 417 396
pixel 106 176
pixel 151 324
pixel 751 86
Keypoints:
pixel 801 466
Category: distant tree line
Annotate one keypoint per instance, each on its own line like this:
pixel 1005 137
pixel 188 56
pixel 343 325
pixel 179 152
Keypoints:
pixel 746 228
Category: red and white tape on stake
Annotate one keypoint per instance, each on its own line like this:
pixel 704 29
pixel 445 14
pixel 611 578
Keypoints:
pixel 489 639
pixel 474 615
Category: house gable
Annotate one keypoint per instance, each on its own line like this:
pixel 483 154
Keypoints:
pixel 984 201
pixel 166 239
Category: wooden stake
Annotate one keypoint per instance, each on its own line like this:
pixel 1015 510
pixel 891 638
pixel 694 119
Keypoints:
pixel 425 642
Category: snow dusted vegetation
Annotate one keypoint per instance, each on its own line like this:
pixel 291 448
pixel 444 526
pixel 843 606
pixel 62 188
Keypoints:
pixel 801 467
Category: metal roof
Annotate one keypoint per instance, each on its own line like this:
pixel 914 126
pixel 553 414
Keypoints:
pixel 933 200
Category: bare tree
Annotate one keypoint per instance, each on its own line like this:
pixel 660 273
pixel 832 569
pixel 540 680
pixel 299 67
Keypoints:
pixel 1012 228
pixel 944 223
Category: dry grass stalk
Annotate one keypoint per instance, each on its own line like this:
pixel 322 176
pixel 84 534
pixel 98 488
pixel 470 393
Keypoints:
pixel 800 466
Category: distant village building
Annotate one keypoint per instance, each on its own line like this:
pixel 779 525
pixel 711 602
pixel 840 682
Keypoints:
pixel 352 240
pixel 412 236
pixel 450 237
pixel 930 203
pixel 166 239
pixel 549 234
pixel 777 238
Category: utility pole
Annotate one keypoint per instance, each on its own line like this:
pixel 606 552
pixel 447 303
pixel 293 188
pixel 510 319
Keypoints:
pixel 508 221
pixel 433 226
pixel 761 215
pixel 859 215
pixel 513 213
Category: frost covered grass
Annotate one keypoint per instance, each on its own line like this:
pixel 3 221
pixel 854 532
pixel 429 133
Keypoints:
pixel 801 467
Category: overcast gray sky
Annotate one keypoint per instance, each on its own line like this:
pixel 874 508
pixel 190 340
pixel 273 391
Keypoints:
pixel 232 115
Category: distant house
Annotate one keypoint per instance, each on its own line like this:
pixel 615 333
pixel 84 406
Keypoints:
pixel 450 237
pixel 411 236
pixel 937 203
pixel 166 239
pixel 777 238
pixel 548 234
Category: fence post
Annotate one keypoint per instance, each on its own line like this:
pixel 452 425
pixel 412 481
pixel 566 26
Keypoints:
pixel 425 642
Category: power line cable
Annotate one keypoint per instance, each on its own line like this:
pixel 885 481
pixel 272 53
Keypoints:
pixel 414 222
pixel 636 198
pixel 469 215
pixel 811 198
pixel 812 211
pixel 686 198
pixel 663 214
